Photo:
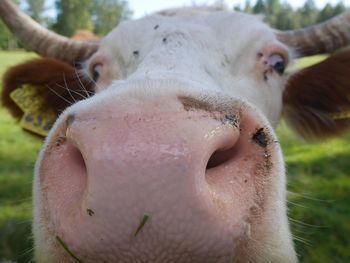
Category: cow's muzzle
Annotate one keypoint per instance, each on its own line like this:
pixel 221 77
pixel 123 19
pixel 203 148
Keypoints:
pixel 158 180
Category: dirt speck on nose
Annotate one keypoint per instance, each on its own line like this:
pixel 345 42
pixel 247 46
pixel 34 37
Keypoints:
pixel 260 138
pixel 232 120
pixel 190 104
pixel 90 212
pixel 60 140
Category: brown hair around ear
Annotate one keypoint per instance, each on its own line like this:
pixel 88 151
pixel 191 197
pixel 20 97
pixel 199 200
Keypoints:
pixel 58 83
pixel 317 98
pixel 39 90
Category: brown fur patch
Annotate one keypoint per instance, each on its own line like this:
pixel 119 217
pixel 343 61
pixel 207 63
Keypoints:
pixel 315 94
pixel 58 82
pixel 210 105
pixel 85 35
pixel 190 103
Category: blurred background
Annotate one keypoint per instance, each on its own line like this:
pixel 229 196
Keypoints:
pixel 318 172
pixel 100 16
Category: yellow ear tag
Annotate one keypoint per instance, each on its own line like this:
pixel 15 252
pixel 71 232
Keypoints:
pixel 34 118
pixel 340 115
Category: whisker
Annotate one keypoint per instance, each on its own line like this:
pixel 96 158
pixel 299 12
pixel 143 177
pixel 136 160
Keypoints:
pixel 309 198
pixel 89 93
pixel 81 83
pixel 305 231
pixel 60 96
pixel 26 252
pixel 302 240
pixel 296 204
pixel 24 221
pixel 66 86
pixel 92 81
pixel 297 222
pixel 73 91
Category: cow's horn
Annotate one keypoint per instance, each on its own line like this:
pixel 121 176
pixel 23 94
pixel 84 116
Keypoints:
pixel 41 40
pixel 321 38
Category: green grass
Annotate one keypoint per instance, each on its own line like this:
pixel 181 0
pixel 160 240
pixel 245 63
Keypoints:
pixel 318 176
pixel 319 196
pixel 8 59
pixel 305 62
pixel 18 152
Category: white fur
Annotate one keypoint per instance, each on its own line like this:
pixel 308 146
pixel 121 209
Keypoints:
pixel 215 50
pixel 204 52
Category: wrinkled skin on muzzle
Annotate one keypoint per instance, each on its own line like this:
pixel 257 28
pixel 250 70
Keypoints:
pixel 171 178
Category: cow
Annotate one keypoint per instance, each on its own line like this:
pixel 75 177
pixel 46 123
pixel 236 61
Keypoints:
pixel 164 148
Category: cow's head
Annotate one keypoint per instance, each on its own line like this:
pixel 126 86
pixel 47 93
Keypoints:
pixel 175 158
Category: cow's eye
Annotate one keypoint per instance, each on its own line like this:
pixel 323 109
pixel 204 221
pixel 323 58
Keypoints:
pixel 277 62
pixel 96 71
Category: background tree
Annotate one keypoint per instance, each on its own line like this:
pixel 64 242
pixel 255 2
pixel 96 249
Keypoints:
pixel 73 15
pixel 248 8
pixel 107 14
pixel 329 11
pixel 273 8
pixel 308 13
pixel 281 15
pixel 5 35
pixel 7 41
pixel 259 7
pixel 339 8
pixel 287 18
pixel 101 16
pixel 237 7
pixel 36 9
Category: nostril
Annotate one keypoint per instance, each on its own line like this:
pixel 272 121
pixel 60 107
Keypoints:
pixel 72 136
pixel 77 157
pixel 226 143
pixel 220 157
pixel 73 149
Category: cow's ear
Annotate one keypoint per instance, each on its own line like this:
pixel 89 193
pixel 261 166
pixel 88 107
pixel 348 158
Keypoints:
pixel 317 98
pixel 57 83
pixel 38 90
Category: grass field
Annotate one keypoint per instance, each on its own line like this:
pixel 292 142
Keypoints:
pixel 318 175
pixel 18 151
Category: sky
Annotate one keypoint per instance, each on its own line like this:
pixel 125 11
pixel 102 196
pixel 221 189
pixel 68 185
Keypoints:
pixel 142 7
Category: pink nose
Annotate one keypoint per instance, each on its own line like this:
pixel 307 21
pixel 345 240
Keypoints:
pixel 156 181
